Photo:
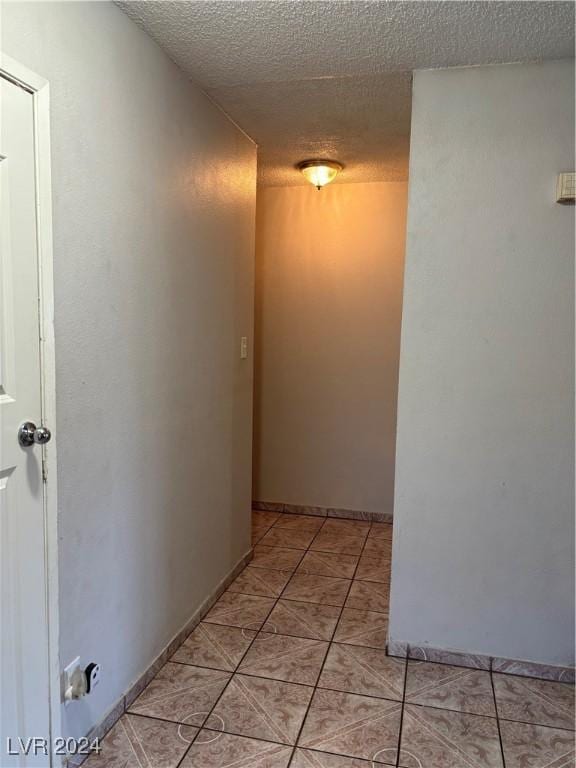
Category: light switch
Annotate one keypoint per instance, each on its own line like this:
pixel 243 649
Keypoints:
pixel 566 188
pixel 243 347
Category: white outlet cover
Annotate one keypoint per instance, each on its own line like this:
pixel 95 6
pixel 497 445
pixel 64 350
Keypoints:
pixel 67 678
pixel 71 667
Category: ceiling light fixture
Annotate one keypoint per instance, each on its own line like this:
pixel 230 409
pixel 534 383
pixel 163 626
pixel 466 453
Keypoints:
pixel 320 172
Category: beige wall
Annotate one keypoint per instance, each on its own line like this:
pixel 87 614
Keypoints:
pixel 154 194
pixel 328 304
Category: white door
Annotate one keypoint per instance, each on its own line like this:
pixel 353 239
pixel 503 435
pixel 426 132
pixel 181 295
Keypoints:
pixel 24 660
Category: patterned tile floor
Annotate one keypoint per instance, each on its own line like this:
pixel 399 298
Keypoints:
pixel 289 669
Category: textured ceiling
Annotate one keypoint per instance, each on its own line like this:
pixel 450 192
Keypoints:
pixel 332 78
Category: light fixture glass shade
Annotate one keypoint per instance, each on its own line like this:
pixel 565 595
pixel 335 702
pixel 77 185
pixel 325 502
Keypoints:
pixel 320 172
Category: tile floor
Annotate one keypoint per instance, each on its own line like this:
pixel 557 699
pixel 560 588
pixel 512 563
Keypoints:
pixel 289 669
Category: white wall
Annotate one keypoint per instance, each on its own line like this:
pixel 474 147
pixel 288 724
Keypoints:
pixel 483 552
pixel 328 306
pixel 154 194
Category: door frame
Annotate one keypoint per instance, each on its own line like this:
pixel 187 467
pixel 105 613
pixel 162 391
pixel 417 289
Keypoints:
pixel 39 89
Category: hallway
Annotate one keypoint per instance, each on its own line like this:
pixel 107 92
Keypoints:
pixel 288 669
pixel 280 277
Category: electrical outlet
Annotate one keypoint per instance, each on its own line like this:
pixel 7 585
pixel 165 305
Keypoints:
pixel 243 347
pixel 78 682
pixel 70 679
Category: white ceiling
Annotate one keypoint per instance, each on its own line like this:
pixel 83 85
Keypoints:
pixel 331 78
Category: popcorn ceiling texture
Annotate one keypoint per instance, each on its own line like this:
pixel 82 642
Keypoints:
pixel 333 78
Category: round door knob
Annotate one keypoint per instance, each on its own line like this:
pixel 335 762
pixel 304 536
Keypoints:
pixel 42 435
pixel 28 434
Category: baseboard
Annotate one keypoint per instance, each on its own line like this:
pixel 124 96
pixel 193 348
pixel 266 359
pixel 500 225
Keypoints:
pixel 481 661
pixel 304 509
pixel 123 704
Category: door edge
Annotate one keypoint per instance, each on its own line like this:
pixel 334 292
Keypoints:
pixel 39 88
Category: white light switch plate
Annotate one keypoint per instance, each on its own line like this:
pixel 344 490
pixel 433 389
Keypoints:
pixel 244 347
pixel 566 188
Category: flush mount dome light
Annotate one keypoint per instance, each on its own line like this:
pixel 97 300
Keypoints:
pixel 320 172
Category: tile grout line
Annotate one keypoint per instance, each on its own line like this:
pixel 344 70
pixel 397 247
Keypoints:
pixel 486 668
pixel 480 669
pixel 203 728
pixel 338 690
pixel 305 685
pixel 267 741
pixel 329 646
pixel 331 641
pixel 314 689
pixel 539 725
pixel 497 718
pixel 341 690
pixel 275 600
pixel 257 634
pixel 295 745
pixel 260 631
pixel 213 707
pixel 291 572
pixel 282 596
pixel 235 671
pixel 402 712
pixel 308 549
